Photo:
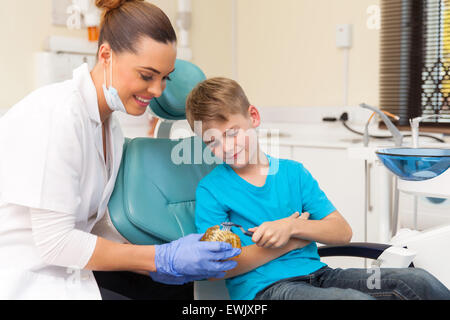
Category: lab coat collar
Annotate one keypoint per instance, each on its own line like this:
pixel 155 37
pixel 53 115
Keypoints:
pixel 86 87
pixel 83 81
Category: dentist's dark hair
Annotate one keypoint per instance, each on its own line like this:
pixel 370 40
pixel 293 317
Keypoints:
pixel 125 22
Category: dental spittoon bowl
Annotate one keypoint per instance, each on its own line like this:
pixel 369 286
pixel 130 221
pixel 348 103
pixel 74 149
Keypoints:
pixel 415 164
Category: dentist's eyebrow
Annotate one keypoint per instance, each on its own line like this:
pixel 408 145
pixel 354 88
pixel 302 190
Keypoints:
pixel 155 71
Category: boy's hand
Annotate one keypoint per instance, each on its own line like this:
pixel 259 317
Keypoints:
pixel 275 234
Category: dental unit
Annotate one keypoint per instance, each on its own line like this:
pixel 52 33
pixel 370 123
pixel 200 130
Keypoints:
pixel 419 172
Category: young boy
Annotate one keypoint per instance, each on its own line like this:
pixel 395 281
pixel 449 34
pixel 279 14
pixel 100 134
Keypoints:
pixel 266 196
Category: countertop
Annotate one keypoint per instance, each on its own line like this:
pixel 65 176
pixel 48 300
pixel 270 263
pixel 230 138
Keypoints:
pixel 328 135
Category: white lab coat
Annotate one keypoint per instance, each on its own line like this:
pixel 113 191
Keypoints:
pixel 51 158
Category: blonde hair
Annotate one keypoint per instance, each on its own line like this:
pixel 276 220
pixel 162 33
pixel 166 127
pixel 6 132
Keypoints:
pixel 216 99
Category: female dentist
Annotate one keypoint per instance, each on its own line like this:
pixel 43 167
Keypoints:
pixel 60 151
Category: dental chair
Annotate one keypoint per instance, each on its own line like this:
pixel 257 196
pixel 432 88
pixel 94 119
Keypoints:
pixel 154 197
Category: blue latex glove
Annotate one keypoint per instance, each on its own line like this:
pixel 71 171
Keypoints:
pixel 189 259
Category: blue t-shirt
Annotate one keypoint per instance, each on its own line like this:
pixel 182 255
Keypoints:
pixel 224 196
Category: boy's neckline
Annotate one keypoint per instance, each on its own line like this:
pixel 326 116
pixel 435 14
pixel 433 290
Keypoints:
pixel 249 185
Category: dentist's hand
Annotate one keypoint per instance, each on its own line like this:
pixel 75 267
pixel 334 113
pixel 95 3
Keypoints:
pixel 275 234
pixel 188 259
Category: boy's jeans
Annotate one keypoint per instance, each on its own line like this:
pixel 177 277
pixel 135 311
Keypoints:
pixel 361 284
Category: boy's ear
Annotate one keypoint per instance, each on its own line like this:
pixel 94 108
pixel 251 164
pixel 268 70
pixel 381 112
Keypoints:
pixel 254 116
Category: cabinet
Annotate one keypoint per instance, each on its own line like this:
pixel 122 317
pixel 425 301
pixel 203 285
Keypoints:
pixel 343 181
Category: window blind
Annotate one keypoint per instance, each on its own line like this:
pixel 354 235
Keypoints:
pixel 415 59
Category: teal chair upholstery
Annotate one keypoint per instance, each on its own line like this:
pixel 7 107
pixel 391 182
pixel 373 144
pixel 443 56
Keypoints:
pixel 171 104
pixel 153 201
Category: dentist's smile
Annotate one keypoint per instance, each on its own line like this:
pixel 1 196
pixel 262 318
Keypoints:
pixel 142 101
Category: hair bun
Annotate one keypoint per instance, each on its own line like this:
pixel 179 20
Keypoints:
pixel 109 5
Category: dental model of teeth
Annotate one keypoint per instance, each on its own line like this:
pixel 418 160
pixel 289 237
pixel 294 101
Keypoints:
pixel 215 234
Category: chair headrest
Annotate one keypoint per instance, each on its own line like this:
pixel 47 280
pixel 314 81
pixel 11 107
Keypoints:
pixel 171 105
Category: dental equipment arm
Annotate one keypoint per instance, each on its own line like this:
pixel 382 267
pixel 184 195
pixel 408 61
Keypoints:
pixel 398 136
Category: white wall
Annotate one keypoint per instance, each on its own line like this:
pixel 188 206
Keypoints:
pixel 24 25
pixel 286 53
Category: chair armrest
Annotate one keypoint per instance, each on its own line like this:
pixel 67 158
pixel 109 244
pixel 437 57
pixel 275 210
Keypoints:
pixel 355 249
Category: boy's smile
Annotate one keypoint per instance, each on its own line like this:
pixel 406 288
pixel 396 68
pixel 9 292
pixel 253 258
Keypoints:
pixel 235 141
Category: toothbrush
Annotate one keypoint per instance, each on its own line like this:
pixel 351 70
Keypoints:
pixel 226 226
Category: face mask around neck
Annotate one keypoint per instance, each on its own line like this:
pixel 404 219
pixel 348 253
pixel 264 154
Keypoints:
pixel 111 95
